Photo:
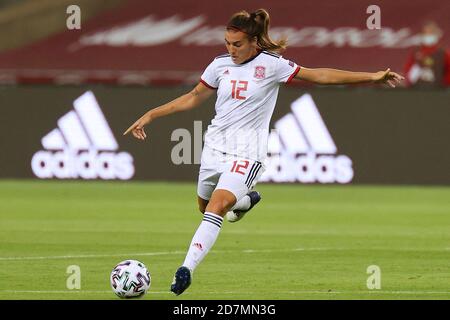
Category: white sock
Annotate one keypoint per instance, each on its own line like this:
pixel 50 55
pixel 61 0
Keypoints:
pixel 203 240
pixel 242 204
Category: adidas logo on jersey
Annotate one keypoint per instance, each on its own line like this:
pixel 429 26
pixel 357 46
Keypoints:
pixel 301 149
pixel 82 146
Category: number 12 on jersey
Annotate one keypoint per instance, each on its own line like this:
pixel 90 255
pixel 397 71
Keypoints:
pixel 237 87
pixel 238 165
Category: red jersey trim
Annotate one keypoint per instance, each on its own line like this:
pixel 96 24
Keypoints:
pixel 293 75
pixel 207 85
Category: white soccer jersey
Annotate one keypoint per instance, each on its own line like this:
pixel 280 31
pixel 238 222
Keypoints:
pixel 246 97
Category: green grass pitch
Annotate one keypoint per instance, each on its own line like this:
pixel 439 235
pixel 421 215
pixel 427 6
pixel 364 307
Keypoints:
pixel 299 242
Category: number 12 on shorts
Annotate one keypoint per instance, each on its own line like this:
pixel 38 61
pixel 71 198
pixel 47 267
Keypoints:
pixel 250 174
pixel 239 165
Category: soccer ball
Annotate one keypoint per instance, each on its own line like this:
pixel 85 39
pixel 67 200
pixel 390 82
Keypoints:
pixel 130 279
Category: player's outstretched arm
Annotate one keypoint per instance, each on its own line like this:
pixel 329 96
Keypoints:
pixel 334 76
pixel 185 102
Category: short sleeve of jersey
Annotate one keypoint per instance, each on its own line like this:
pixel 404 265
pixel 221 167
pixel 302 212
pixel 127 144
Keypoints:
pixel 209 77
pixel 286 70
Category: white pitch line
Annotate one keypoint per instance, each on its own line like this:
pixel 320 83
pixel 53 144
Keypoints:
pixel 161 253
pixel 73 291
pixel 232 292
pixel 368 292
pixel 86 256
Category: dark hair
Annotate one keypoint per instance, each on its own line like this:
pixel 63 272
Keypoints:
pixel 256 24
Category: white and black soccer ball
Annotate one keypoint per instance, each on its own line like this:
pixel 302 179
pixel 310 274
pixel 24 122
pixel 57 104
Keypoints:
pixel 130 279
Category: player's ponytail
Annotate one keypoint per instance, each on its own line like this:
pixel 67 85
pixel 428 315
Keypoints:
pixel 256 24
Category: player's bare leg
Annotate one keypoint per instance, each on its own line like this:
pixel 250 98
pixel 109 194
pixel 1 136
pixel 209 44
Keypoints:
pixel 240 208
pixel 202 203
pixel 221 202
pixel 204 238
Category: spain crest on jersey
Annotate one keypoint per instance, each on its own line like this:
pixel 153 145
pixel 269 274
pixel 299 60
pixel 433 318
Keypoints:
pixel 260 72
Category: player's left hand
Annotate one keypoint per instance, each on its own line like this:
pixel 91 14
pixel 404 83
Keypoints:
pixel 387 76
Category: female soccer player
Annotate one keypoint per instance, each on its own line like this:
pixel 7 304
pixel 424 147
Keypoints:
pixel 246 81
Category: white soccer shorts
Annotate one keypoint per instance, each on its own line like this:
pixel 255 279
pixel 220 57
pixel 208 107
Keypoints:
pixel 219 170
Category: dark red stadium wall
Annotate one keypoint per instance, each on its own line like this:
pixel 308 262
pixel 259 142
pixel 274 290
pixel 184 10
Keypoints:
pixel 392 136
pixel 152 42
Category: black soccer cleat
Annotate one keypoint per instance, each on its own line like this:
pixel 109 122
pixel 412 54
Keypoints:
pixel 236 215
pixel 181 280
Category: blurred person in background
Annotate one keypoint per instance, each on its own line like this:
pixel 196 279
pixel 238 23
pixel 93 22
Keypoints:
pixel 429 64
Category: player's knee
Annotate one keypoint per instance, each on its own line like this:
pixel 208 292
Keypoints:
pixel 201 209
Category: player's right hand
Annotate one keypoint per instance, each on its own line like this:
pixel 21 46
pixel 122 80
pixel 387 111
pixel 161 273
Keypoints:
pixel 137 128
